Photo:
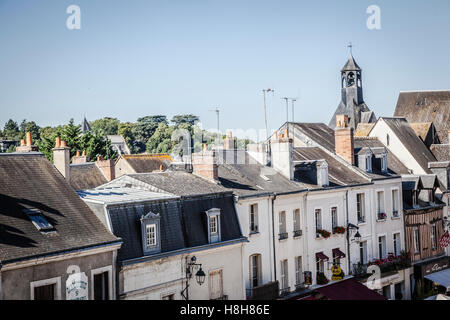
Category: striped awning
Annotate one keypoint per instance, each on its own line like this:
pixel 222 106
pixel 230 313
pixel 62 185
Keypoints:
pixel 320 256
pixel 338 253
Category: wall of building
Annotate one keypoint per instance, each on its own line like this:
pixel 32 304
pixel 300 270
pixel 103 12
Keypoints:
pixel 259 243
pixel 16 283
pixel 154 279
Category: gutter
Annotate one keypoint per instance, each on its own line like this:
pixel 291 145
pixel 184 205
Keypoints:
pixel 273 240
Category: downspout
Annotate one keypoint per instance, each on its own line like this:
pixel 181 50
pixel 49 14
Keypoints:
pixel 348 232
pixel 273 240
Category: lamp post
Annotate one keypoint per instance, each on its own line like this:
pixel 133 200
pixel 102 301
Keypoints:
pixel 190 266
pixel 357 238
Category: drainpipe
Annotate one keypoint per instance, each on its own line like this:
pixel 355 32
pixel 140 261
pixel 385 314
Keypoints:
pixel 273 240
pixel 348 232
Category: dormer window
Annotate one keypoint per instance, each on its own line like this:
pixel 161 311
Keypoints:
pixel 323 174
pixel 150 228
pixel 365 160
pixel 384 163
pixel 213 221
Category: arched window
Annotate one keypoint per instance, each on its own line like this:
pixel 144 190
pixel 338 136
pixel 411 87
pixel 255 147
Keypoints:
pixel 350 79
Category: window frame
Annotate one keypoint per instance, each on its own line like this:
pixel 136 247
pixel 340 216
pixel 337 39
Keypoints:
pixel 111 283
pixel 40 283
pixel 360 207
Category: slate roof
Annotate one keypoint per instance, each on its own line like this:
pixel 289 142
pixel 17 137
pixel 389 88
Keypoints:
pixel 252 178
pixel 29 181
pixel 411 141
pixel 395 166
pixel 339 174
pixel 319 133
pixel 363 129
pixel 368 117
pixel 426 106
pixel 142 163
pixel 86 176
pixel 441 151
pixel 351 65
pixel 183 221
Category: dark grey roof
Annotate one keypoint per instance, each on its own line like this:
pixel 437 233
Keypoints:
pixel 411 141
pixel 351 65
pixel 30 181
pixel 320 133
pixel 441 151
pixel 179 183
pixel 394 164
pixel 411 182
pixel 86 176
pixel 85 127
pixel 183 222
pixel 252 178
pixel 339 174
pixel 368 117
pixel 426 106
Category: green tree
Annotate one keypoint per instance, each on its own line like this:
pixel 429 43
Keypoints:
pixel 160 141
pixel 105 126
pixel 144 129
pixel 95 145
pixel 190 119
pixel 11 130
pixel 29 126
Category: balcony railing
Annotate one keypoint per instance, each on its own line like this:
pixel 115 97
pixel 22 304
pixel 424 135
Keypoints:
pixel 298 233
pixel 285 291
pixel 300 286
pixel 395 214
pixel 282 236
pixel 391 263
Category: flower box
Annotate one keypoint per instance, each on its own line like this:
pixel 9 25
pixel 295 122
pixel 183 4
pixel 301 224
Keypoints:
pixel 323 233
pixel 382 216
pixel 339 230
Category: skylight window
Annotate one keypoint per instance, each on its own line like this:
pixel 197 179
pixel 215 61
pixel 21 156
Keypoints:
pixel 38 220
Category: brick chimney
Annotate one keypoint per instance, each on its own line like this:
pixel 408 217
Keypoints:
pixel 80 158
pixel 107 167
pixel 281 155
pixel 27 145
pixel 344 139
pixel 204 164
pixel 61 158
pixel 228 142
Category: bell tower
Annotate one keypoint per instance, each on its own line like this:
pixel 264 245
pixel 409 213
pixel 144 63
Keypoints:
pixel 352 102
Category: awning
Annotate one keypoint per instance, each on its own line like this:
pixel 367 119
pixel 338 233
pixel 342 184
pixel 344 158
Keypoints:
pixel 338 253
pixel 440 277
pixel 321 256
pixel 349 289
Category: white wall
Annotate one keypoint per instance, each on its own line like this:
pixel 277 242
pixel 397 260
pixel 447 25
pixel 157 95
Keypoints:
pixel 153 279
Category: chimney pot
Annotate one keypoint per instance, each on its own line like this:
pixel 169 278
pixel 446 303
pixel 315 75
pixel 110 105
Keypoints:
pixel 78 153
pixel 63 143
pixel 22 142
pixel 57 142
pixel 29 140
pixel 84 153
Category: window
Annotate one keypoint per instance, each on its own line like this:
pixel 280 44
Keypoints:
pixel 298 271
pixel 336 257
pixel 380 205
pixel 334 218
pixel 284 275
pixel 38 220
pixel 416 240
pixel 319 265
pixel 360 207
pixel 282 225
pixel 318 216
pixel 395 203
pixel 384 163
pixel 151 235
pixel 434 241
pixel 387 292
pixel 255 270
pixel 387 139
pixel 363 252
pixel 213 225
pixel 46 292
pixel 415 196
pixel 382 247
pixel 101 286
pixel 296 220
pixel 369 163
pixel 253 218
pixel 215 284
pixel 397 244
pixel 431 195
pixel 168 297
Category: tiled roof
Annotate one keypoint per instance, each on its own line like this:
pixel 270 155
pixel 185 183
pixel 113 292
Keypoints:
pixel 426 106
pixel 441 151
pixel 86 176
pixel 143 163
pixel 363 129
pixel 30 181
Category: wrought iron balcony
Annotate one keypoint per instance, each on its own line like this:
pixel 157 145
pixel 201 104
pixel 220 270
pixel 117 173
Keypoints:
pixel 282 236
pixel 298 233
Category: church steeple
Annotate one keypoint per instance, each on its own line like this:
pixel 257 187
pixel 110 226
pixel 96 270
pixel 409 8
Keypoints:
pixel 352 102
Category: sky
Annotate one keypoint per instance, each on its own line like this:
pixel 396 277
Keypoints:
pixel 135 58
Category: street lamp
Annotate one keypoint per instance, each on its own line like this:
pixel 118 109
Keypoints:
pixel 357 237
pixel 199 275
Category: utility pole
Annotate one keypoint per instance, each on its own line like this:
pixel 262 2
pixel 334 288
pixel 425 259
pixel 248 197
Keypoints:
pixel 287 115
pixel 265 110
pixel 217 111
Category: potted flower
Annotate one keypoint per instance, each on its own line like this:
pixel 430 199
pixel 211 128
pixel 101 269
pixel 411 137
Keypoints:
pixel 381 216
pixel 323 233
pixel 321 278
pixel 340 230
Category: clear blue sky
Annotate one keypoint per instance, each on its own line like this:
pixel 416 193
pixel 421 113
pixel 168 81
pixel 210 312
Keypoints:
pixel 136 58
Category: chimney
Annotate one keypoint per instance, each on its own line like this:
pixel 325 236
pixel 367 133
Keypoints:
pixel 27 145
pixel 228 143
pixel 343 139
pixel 281 152
pixel 107 167
pixel 61 158
pixel 80 158
pixel 204 164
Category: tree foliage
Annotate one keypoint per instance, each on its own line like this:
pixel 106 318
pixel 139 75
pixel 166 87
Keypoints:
pixel 105 126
